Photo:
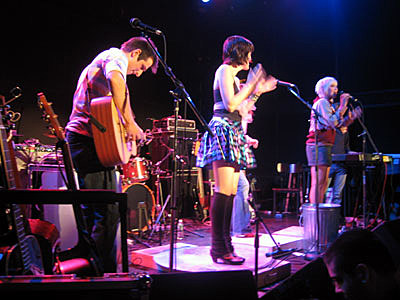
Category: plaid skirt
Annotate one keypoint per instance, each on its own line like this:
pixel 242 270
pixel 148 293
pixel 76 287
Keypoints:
pixel 228 144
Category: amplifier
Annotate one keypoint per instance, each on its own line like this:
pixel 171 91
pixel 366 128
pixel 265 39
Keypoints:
pixel 169 124
pixel 182 134
pixel 35 153
pixel 163 141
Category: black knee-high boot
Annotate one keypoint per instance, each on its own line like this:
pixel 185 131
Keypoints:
pixel 221 212
pixel 217 214
pixel 227 223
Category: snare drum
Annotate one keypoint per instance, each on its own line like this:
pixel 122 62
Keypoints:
pixel 136 170
pixel 141 206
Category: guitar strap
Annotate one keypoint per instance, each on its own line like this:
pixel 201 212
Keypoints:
pixel 91 117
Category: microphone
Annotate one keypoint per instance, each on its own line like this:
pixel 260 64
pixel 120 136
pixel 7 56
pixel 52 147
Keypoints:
pixel 287 84
pixel 351 99
pixel 138 24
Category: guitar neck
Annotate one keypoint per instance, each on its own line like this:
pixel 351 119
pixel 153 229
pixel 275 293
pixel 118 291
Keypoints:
pixel 200 184
pixel 9 178
pixel 20 231
pixel 69 166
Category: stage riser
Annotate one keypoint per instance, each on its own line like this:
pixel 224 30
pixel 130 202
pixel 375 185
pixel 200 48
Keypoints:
pixel 204 285
pixel 116 286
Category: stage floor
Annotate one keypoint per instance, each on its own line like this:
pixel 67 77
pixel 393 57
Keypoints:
pixel 191 254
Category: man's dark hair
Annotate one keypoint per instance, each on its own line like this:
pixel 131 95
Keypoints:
pixel 359 246
pixel 147 51
pixel 235 50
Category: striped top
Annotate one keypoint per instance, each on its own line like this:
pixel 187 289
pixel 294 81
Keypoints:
pixel 92 84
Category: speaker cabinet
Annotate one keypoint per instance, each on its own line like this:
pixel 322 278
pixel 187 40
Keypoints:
pixel 204 285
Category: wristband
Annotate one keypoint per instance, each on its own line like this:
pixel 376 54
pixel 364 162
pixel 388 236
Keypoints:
pixel 254 97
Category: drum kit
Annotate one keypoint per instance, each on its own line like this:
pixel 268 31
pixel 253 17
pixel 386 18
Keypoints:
pixel 147 206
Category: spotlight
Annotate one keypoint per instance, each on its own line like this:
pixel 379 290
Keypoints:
pixel 205 1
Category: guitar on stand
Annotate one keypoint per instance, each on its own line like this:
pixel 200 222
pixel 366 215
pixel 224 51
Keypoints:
pixel 67 263
pixel 23 257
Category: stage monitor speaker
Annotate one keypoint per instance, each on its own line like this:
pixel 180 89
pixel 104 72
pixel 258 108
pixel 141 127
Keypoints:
pixel 204 285
pixel 115 286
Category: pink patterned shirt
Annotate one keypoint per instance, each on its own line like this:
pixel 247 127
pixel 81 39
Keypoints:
pixel 92 84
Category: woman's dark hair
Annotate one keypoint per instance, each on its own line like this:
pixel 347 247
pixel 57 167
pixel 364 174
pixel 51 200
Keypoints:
pixel 235 50
pixel 147 51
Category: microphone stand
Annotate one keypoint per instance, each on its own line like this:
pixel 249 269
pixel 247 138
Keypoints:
pixel 279 252
pixel 364 135
pixel 312 254
pixel 179 93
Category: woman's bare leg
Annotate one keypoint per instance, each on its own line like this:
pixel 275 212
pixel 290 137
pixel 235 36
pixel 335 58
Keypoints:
pixel 323 172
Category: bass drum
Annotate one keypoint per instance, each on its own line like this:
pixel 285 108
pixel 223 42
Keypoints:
pixel 141 206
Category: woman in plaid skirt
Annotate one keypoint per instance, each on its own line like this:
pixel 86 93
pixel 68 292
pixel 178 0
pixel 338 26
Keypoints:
pixel 225 151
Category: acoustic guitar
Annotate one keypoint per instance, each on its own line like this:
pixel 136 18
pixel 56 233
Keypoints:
pixel 112 146
pixel 24 257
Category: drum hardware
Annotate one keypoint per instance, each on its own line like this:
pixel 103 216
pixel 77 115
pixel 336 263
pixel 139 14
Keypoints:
pixel 136 170
pixel 161 214
pixel 160 206
pixel 148 138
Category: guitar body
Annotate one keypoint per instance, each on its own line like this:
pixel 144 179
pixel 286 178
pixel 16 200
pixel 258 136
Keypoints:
pixel 13 264
pixel 48 238
pixel 112 147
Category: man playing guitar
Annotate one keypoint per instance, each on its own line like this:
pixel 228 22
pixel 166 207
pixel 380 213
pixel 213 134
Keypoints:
pixel 105 76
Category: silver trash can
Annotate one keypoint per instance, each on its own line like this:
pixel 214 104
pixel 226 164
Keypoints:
pixel 329 222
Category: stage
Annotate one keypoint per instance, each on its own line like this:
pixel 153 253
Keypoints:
pixel 191 254
pixel 194 275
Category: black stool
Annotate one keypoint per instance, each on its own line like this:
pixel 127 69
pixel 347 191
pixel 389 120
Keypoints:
pixel 294 186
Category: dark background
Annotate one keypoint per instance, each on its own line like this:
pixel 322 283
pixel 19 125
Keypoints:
pixel 46 45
